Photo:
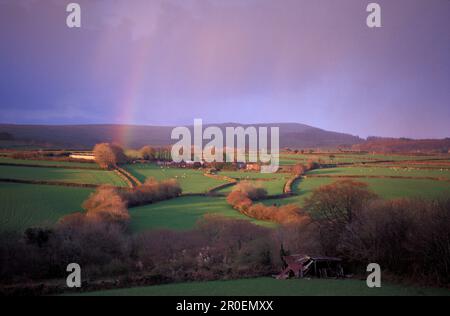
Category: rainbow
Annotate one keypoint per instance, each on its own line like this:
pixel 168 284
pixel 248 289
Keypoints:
pixel 127 106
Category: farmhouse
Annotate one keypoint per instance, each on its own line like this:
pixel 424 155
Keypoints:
pixel 83 155
pixel 253 167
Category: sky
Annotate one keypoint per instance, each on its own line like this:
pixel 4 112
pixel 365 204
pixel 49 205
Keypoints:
pixel 166 62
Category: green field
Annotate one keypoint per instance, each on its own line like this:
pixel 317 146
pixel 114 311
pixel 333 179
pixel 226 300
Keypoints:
pixel 182 213
pixel 337 158
pixel 385 187
pixel 7 160
pixel 273 287
pixel 439 164
pixel 383 172
pixel 25 205
pixel 61 175
pixel 273 183
pixel 191 181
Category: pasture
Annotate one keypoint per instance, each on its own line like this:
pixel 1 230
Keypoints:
pixel 26 205
pixel 272 287
pixel 8 160
pixel 273 183
pixel 182 213
pixel 354 158
pixel 386 188
pixel 191 181
pixel 78 176
pixel 392 171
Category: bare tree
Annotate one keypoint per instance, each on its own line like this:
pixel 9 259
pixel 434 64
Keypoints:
pixel 109 155
pixel 334 206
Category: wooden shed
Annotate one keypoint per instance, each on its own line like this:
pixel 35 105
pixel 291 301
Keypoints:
pixel 300 266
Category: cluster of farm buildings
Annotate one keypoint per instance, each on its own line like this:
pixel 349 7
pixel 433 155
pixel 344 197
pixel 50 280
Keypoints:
pixel 183 164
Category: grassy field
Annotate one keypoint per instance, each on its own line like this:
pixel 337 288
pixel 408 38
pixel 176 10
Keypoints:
pixel 25 205
pixel 182 213
pixel 336 158
pixel 273 183
pixel 191 181
pixel 61 175
pixel 385 187
pixel 7 160
pixel 383 172
pixel 438 164
pixel 273 287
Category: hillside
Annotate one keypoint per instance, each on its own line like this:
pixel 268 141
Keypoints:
pixel 85 136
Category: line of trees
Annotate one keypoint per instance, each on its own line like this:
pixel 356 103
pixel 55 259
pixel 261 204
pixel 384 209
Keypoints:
pixel 409 238
pixel 300 169
pixel 151 191
pixel 151 153
pixel 245 193
pixel 148 153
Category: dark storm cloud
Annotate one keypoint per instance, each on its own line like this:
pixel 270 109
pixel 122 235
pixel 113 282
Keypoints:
pixel 165 62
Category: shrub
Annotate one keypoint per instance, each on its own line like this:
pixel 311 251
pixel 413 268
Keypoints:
pixel 299 169
pixel 252 191
pixel 311 165
pixel 106 204
pixel 239 200
pixel 152 191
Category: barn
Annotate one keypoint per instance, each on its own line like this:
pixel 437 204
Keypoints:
pixel 300 266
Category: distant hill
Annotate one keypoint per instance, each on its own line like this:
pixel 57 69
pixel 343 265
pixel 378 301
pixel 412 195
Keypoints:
pixel 85 136
pixel 403 145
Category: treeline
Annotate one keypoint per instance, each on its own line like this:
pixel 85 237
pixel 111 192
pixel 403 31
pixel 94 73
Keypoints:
pixel 109 155
pixel 245 193
pixel 409 238
pixel 218 248
pixel 152 153
pixel 403 145
pixel 151 191
pixel 298 171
